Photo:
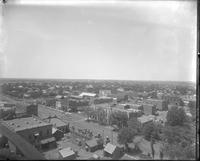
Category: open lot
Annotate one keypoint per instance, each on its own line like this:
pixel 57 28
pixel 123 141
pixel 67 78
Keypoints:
pixel 78 121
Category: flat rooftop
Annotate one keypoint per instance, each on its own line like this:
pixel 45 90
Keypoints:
pixel 57 122
pixel 20 124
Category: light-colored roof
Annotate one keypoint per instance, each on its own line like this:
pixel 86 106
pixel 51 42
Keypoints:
pixel 48 140
pixel 144 119
pixel 58 96
pixel 110 148
pixel 88 94
pixel 66 152
pixel 92 143
pixel 128 157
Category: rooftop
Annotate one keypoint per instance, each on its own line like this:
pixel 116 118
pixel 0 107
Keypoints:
pixel 92 143
pixel 66 152
pixel 20 124
pixel 57 122
pixel 88 94
pixel 110 148
pixel 144 118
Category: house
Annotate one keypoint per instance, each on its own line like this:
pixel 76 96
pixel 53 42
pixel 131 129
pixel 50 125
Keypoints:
pixel 67 154
pixel 128 157
pixel 145 119
pixel 58 134
pixel 93 145
pixel 113 151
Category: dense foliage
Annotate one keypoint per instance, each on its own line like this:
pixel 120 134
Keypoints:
pixel 176 116
pixel 119 119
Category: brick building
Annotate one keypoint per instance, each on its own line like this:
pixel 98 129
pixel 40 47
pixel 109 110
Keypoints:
pixel 33 130
pixel 149 109
pixel 160 104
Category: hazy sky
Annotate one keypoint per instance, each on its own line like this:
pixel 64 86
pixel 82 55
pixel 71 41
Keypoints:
pixel 131 40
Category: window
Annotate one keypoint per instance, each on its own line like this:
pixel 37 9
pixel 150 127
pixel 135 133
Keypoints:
pixel 48 132
pixel 40 133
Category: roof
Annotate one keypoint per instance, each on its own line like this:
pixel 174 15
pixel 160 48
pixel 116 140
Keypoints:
pixel 154 100
pixel 92 143
pixel 48 140
pixel 148 105
pixel 66 152
pixel 144 119
pixel 110 148
pixel 25 123
pixel 88 94
pixel 128 157
pixel 57 122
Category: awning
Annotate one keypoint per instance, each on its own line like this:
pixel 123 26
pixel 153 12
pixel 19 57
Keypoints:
pixel 49 140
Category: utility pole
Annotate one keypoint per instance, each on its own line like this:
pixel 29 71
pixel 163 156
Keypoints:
pixel 103 135
pixel 112 136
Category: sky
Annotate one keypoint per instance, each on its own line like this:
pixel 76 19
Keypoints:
pixel 131 40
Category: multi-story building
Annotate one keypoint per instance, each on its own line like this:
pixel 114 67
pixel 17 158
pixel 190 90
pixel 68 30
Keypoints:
pixel 104 93
pixel 33 130
pixel 173 100
pixel 149 109
pixel 160 104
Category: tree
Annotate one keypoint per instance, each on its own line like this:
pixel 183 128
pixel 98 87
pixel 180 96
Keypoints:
pixel 193 109
pixel 133 123
pixel 176 116
pixel 178 141
pixel 119 118
pixel 151 131
pixel 126 136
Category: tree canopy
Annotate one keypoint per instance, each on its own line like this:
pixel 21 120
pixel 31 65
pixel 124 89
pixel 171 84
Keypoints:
pixel 126 135
pixel 151 130
pixel 133 123
pixel 176 116
pixel 118 118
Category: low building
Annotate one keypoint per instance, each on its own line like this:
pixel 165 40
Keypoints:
pixel 57 123
pixel 57 134
pixel 67 154
pixel 93 145
pixel 145 119
pixel 128 157
pixel 113 151
pixel 7 112
pixel 101 100
pixel 89 95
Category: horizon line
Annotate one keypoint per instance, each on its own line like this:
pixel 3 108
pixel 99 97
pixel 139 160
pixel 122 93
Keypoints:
pixel 98 79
